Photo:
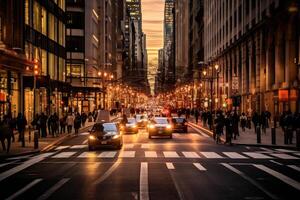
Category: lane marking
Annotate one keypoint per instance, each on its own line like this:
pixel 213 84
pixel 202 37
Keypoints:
pixel 199 166
pixel 24 189
pixel 64 155
pixel 266 149
pixel 150 154
pixel 84 133
pixel 250 180
pixel 18 158
pixel 88 155
pixel 108 172
pixel 211 154
pixel 284 156
pixel 257 155
pixel 190 154
pixel 280 176
pixel 170 154
pixel 82 146
pixel 144 188
pixel 53 189
pixel 107 154
pixel 23 166
pixel 127 154
pixel 4 164
pixel 294 167
pixel 285 150
pixel 199 131
pixel 145 146
pixel 234 155
pixel 297 154
pixel 170 165
pixel 128 146
pixel 85 141
pixel 278 163
pixel 62 147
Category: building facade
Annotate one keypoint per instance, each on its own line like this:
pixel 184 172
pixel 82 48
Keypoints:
pixel 256 45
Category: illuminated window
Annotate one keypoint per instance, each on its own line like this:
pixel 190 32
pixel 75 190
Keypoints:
pixel 62 71
pixel 27 12
pixel 37 17
pixel 44 21
pixel 44 63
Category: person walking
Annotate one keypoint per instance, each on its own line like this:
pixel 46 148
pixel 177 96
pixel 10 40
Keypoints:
pixel 196 113
pixel 36 123
pixel 54 125
pixel 243 120
pixel 5 133
pixel 209 120
pixel 70 123
pixel 229 128
pixel 289 127
pixel 236 119
pixel 204 118
pixel 83 118
pixel 219 122
pixel 255 120
pixel 62 124
pixel 21 125
pixel 77 123
pixel 43 125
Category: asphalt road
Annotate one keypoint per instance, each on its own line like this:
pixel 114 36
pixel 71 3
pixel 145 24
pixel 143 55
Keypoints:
pixel 189 166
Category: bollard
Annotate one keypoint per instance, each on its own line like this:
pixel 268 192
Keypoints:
pixel 298 138
pixel 36 139
pixel 258 133
pixel 273 135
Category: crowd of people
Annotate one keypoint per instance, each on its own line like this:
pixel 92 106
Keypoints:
pixel 51 125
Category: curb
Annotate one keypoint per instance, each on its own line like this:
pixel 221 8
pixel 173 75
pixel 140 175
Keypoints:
pixel 241 144
pixel 20 154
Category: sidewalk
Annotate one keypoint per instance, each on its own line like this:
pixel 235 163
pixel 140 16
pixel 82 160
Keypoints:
pixel 249 137
pixel 16 148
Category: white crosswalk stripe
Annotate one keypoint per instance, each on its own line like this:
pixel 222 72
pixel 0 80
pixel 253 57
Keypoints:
pixel 170 165
pixel 107 154
pixel 150 154
pixel 53 189
pixel 234 155
pixel 284 156
pixel 64 154
pixel 210 155
pixel 297 154
pixel 199 166
pixel 127 154
pixel 82 146
pixel 294 167
pixel 88 155
pixel 190 154
pixel 145 146
pixel 170 154
pixel 286 150
pixel 257 155
pixel 128 146
pixel 62 147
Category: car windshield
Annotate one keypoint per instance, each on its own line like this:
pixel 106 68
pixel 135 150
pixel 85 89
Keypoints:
pixel 179 120
pixel 131 121
pixel 104 128
pixel 161 120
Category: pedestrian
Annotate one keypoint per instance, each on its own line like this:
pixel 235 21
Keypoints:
pixel 83 118
pixel 229 128
pixel 204 118
pixel 21 125
pixel 55 125
pixel 62 124
pixel 187 113
pixel 289 127
pixel 49 121
pixel 248 120
pixel 77 123
pixel 124 120
pixel 196 113
pixel 70 123
pixel 263 121
pixel 219 122
pixel 5 133
pixel 255 120
pixel 236 119
pixel 36 123
pixel 43 125
pixel 90 117
pixel 209 120
pixel 243 120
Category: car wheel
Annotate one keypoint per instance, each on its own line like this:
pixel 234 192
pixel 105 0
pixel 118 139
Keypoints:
pixel 119 146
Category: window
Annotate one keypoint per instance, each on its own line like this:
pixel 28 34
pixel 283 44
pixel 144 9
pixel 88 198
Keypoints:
pixel 44 63
pixel 61 35
pixel 75 70
pixel 44 21
pixel 52 27
pixel 27 12
pixel 52 65
pixel 61 4
pixel 75 44
pixel 62 71
pixel 37 16
pixel 75 20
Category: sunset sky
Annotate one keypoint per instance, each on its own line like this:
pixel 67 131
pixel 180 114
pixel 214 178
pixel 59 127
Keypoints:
pixel 153 15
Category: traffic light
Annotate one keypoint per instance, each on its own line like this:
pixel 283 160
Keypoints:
pixel 36 67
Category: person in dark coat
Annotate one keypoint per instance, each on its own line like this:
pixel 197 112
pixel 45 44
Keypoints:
pixel 21 124
pixel 255 120
pixel 83 119
pixel 43 125
pixel 229 128
pixel 6 133
pixel 219 122
pixel 63 124
pixel 243 120
pixel 289 127
pixel 77 123
pixel 209 120
pixel 204 118
pixel 235 118
pixel 196 113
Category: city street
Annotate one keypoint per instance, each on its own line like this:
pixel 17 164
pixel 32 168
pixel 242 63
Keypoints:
pixel 189 166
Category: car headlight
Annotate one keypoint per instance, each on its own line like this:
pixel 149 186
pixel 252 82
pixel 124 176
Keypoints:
pixel 134 126
pixel 169 127
pixel 91 137
pixel 151 126
pixel 115 137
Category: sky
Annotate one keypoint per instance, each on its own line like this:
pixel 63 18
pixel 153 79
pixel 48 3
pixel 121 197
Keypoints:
pixel 153 16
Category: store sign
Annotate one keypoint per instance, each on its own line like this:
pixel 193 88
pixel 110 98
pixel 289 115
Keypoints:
pixel 293 95
pixel 283 95
pixel 2 96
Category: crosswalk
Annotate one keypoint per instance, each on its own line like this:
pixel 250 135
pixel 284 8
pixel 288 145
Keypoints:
pixel 173 167
pixel 143 153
